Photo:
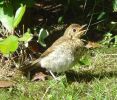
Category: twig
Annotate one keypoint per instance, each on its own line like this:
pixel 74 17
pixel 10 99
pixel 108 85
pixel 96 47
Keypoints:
pixel 91 18
pixel 85 5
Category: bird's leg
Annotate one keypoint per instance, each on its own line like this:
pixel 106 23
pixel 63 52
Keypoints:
pixel 56 78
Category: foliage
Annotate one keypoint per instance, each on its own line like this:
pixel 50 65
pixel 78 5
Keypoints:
pixel 7 17
pixel 60 20
pixel 109 39
pixel 9 45
pixel 95 79
pixel 85 83
pixel 18 16
pixel 26 36
pixel 115 5
pixel 42 35
pixel 10 22
pixel 12 12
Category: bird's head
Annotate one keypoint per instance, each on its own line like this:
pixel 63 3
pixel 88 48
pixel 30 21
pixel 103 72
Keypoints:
pixel 75 31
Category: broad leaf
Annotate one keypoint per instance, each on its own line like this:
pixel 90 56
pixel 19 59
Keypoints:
pixel 18 16
pixel 9 45
pixel 42 35
pixel 6 16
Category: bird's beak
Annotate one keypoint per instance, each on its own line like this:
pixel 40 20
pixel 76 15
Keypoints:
pixel 81 30
pixel 82 27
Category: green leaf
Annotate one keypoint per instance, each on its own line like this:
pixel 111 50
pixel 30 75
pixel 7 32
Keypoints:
pixel 42 35
pixel 114 5
pixel 18 16
pixel 6 16
pixel 101 15
pixel 1 2
pixel 60 20
pixel 26 36
pixel 9 45
pixel 107 38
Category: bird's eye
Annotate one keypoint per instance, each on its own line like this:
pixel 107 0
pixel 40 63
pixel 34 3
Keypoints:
pixel 74 30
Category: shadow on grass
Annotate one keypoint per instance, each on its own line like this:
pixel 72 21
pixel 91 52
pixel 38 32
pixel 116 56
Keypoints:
pixel 73 76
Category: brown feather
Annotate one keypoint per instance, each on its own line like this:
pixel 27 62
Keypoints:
pixel 54 45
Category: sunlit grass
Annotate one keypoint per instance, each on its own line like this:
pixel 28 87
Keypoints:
pixel 98 89
pixel 98 81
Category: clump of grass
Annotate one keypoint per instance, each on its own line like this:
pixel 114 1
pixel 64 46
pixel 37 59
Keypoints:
pixel 98 89
pixel 88 82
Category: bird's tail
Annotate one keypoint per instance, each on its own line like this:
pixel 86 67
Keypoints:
pixel 30 65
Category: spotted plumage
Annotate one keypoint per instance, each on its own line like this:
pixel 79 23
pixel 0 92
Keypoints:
pixel 65 52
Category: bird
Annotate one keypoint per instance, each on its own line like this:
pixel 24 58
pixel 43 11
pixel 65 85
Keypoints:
pixel 65 52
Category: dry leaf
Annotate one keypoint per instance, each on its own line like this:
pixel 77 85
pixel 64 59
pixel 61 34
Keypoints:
pixel 93 45
pixel 5 84
pixel 39 76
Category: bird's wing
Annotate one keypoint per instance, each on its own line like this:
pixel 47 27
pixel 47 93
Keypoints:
pixel 54 45
pixel 35 64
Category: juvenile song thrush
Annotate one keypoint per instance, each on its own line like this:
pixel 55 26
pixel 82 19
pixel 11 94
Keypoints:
pixel 64 52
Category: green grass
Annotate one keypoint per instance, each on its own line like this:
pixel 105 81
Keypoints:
pixel 98 81
pixel 98 89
